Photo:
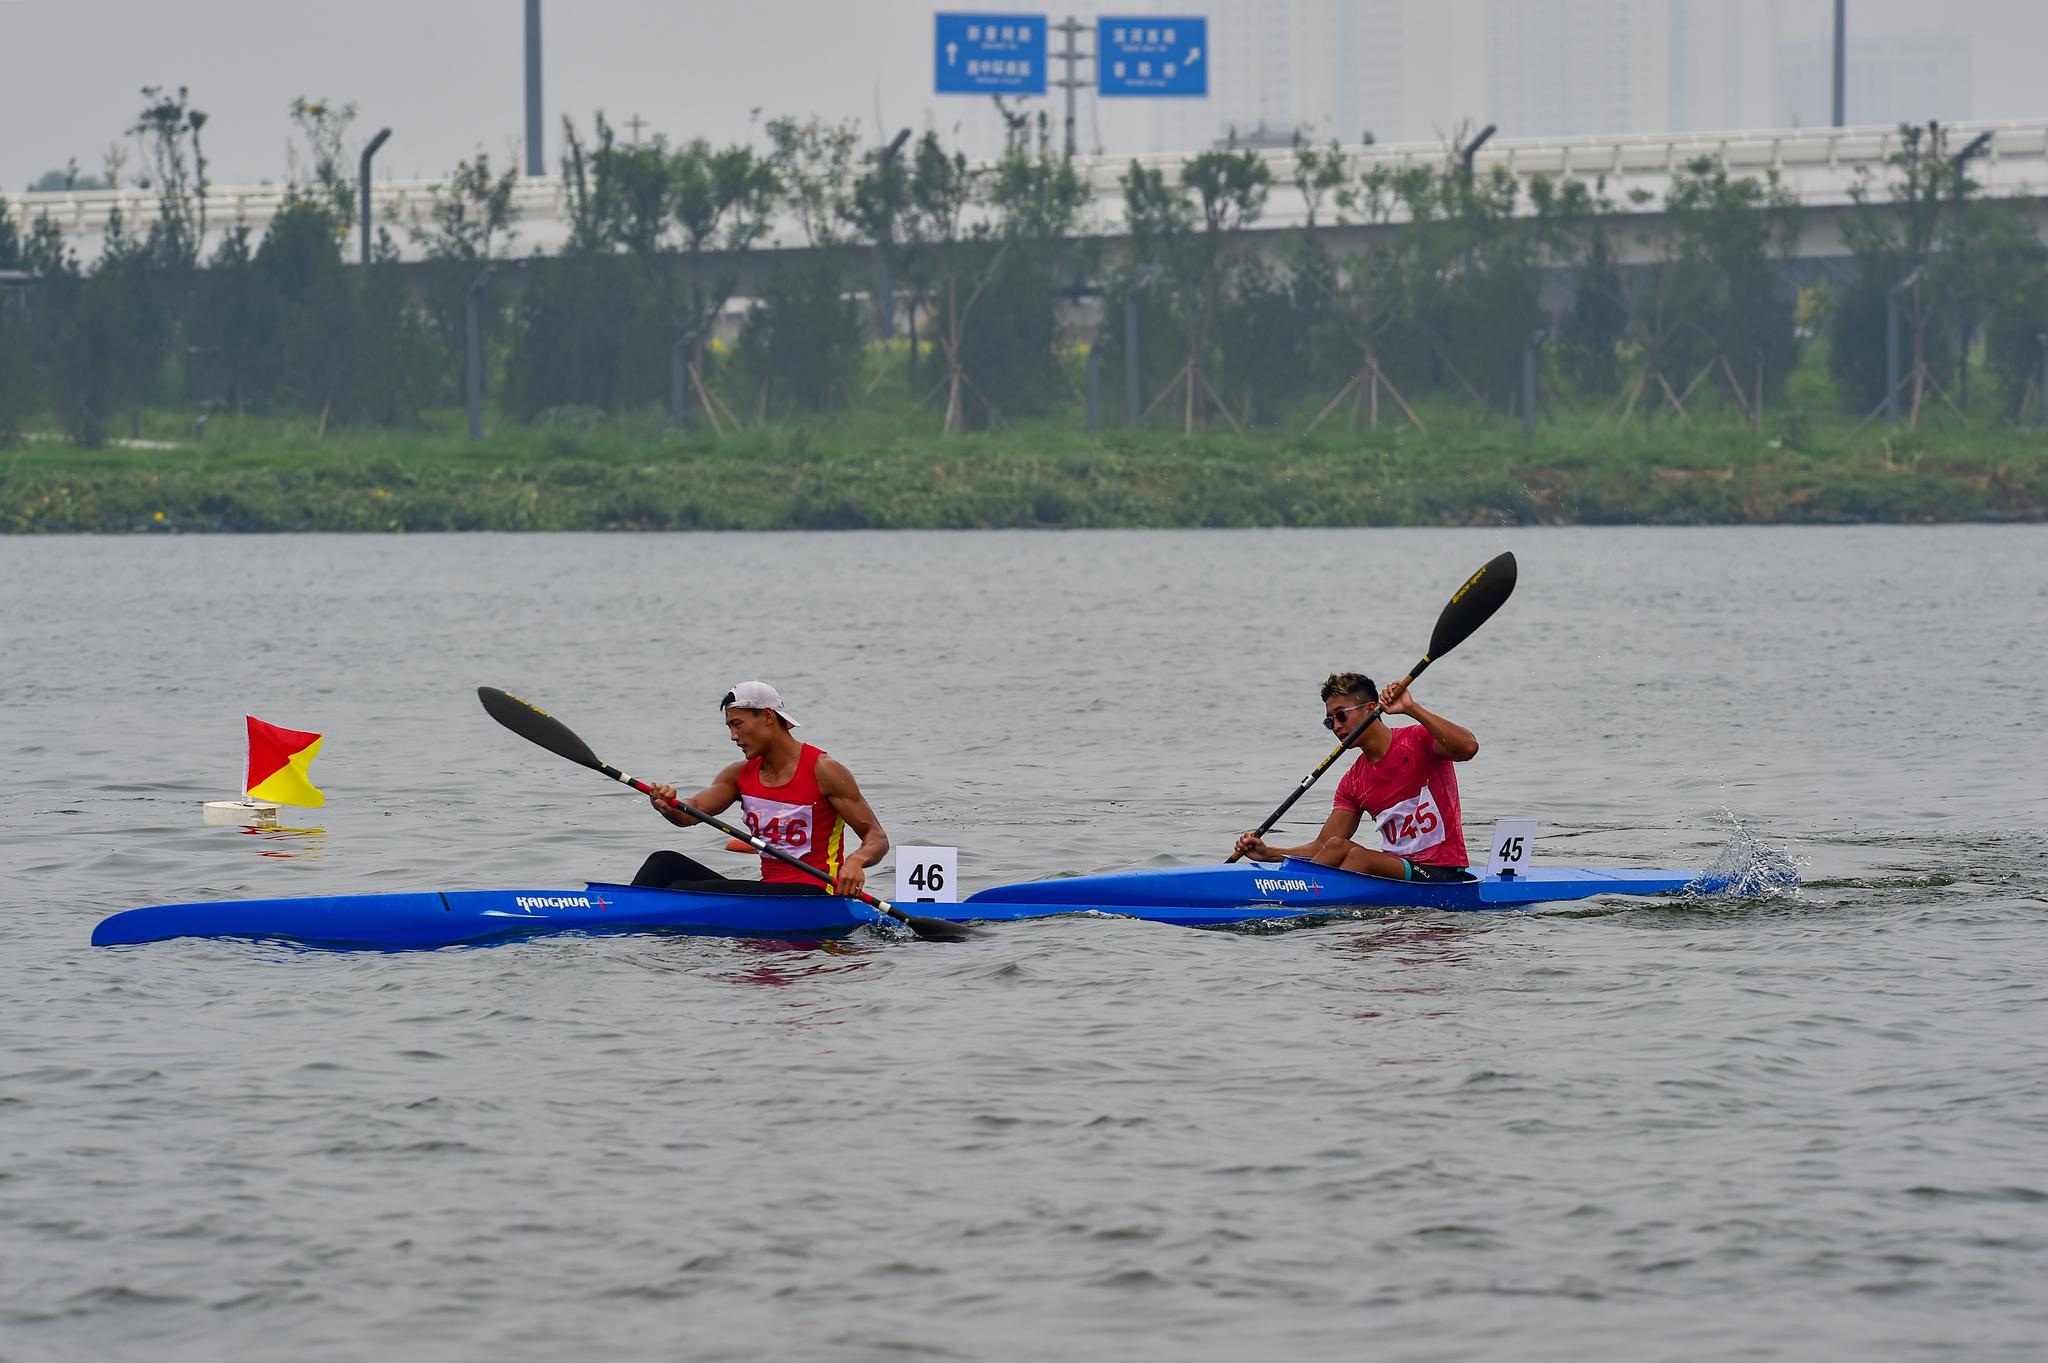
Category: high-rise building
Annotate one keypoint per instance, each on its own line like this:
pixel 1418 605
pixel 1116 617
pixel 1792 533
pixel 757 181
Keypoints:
pixel 1906 79
pixel 1564 67
pixel 1723 64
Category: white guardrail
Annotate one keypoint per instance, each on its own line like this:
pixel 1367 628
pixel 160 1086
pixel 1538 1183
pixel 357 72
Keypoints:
pixel 1820 165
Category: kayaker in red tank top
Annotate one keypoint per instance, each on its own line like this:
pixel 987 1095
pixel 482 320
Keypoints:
pixel 1403 780
pixel 792 796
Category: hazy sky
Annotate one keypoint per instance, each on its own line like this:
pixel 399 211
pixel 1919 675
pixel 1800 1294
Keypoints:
pixel 446 75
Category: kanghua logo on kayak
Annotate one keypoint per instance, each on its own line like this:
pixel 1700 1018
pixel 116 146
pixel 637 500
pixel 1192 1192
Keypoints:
pixel 530 902
pixel 1267 885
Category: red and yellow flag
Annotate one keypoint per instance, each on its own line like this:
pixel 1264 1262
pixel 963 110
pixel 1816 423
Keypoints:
pixel 278 759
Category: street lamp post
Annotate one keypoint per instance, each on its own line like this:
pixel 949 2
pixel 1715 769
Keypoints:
pixel 1472 148
pixel 473 379
pixel 1891 343
pixel 1841 59
pixel 363 186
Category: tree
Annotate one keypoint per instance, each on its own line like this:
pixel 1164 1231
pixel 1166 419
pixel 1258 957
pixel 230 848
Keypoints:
pixel 232 325
pixel 323 126
pixel 110 333
pixel 1357 296
pixel 309 302
pixel 1890 237
pixel 1193 231
pixel 802 340
pixel 723 201
pixel 468 213
pixel 169 127
pixel 17 374
pixel 1035 197
pixel 1739 234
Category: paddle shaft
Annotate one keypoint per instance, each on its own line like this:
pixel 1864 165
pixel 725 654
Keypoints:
pixel 1350 739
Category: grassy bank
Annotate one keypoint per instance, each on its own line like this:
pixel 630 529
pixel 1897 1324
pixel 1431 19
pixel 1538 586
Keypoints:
pixel 864 470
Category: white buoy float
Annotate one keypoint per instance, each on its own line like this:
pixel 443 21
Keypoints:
pixel 242 813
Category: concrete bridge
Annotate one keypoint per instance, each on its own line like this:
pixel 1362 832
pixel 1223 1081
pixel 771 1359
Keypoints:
pixel 1819 165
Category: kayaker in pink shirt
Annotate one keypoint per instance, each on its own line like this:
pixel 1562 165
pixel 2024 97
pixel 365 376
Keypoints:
pixel 1405 781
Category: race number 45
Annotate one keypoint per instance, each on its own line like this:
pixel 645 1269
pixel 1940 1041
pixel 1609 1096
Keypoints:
pixel 927 875
pixel 1514 845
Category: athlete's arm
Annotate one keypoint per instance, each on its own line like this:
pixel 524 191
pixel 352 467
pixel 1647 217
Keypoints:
pixel 1342 823
pixel 843 793
pixel 715 798
pixel 1453 741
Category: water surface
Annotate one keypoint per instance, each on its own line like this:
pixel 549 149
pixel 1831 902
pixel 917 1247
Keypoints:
pixel 1800 1126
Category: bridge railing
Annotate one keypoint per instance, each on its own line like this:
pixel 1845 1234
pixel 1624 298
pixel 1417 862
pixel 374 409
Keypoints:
pixel 1820 165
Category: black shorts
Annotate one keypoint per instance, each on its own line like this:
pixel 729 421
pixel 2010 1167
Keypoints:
pixel 1436 875
pixel 674 871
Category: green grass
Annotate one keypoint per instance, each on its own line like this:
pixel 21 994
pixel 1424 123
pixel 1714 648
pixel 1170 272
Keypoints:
pixel 884 464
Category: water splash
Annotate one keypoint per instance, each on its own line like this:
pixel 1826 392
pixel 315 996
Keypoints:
pixel 1748 866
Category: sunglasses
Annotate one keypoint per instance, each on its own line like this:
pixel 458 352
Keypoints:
pixel 1343 713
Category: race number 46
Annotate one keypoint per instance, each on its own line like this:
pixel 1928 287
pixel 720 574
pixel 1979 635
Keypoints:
pixel 927 875
pixel 1514 843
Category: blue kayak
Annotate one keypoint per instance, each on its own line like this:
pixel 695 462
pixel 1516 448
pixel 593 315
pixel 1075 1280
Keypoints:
pixel 1208 896
pixel 1190 896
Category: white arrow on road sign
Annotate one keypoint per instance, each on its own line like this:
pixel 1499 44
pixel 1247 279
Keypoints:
pixel 952 53
pixel 1194 55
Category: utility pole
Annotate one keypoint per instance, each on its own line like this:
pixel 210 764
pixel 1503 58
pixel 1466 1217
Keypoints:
pixel 535 164
pixel 1841 59
pixel 1068 54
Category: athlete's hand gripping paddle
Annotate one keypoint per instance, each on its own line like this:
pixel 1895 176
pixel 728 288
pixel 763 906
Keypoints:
pixel 536 725
pixel 1469 608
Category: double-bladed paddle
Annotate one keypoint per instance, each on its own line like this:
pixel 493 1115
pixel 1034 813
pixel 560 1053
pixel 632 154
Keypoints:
pixel 1469 608
pixel 536 725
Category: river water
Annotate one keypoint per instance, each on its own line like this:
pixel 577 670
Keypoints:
pixel 1808 1124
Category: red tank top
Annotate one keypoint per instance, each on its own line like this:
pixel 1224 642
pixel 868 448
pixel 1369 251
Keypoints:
pixel 796 818
pixel 1412 794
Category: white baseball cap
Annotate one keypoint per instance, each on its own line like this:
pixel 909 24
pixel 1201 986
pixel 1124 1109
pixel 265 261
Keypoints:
pixel 757 695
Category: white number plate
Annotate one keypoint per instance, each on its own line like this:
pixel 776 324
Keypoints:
pixel 927 875
pixel 1514 846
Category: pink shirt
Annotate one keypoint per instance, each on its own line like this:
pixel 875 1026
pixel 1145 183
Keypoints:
pixel 1412 794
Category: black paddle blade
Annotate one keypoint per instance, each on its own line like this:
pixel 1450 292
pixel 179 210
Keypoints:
pixel 938 929
pixel 536 725
pixel 1472 605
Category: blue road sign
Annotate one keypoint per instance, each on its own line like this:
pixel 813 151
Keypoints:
pixel 989 54
pixel 1149 54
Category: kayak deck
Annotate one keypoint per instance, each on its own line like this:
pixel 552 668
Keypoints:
pixel 1187 896
pixel 1206 896
pixel 432 919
